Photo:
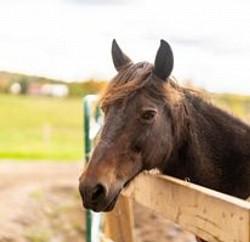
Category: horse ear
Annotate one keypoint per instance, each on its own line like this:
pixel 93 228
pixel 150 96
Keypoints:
pixel 119 58
pixel 164 61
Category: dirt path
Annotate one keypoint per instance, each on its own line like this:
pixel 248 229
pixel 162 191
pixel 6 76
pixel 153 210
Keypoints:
pixel 30 193
pixel 39 202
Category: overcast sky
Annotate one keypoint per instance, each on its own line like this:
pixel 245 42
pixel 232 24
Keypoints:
pixel 71 39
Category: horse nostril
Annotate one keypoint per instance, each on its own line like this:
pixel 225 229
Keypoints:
pixel 136 148
pixel 98 192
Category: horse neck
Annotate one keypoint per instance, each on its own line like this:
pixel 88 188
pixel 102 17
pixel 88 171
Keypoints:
pixel 212 145
pixel 214 128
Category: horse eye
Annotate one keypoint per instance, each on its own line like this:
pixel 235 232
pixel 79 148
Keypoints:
pixel 148 115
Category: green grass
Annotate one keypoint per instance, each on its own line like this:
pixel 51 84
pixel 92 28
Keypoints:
pixel 239 105
pixel 38 235
pixel 40 128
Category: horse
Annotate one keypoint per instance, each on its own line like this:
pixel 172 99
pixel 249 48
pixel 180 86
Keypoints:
pixel 150 121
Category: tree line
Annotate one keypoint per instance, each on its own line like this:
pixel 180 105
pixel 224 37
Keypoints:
pixel 79 88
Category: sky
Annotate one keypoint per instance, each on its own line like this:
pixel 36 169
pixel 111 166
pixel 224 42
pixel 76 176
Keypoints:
pixel 71 39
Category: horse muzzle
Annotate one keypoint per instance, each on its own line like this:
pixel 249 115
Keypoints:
pixel 98 197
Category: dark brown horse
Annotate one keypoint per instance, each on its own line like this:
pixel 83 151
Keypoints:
pixel 151 122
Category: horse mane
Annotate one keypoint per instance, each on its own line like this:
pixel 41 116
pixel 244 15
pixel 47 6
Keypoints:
pixel 135 77
pixel 126 82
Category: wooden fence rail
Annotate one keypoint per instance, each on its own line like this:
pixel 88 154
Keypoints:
pixel 210 215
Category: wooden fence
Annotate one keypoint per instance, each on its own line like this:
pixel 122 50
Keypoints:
pixel 210 215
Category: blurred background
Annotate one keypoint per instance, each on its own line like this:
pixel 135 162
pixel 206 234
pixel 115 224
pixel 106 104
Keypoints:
pixel 54 52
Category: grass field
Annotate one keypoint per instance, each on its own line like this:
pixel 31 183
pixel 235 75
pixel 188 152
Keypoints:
pixel 43 128
pixel 238 105
pixel 40 128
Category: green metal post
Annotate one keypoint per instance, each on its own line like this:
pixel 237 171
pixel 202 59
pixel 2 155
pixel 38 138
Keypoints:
pixel 87 149
pixel 92 124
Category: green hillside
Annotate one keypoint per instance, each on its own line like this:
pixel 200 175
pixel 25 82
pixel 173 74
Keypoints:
pixel 40 128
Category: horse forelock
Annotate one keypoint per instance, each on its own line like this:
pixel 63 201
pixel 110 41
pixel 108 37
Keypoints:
pixel 127 82
pixel 135 77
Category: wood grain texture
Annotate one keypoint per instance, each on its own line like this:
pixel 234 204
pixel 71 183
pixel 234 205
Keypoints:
pixel 119 223
pixel 211 215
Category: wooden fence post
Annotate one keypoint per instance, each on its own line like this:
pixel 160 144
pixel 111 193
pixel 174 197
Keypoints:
pixel 120 222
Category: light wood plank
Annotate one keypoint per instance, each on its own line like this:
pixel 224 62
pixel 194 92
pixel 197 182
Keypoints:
pixel 119 223
pixel 211 215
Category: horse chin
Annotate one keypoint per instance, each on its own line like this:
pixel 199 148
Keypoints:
pixel 112 204
pixel 104 206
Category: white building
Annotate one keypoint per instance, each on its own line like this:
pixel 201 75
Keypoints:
pixel 56 90
pixel 15 88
